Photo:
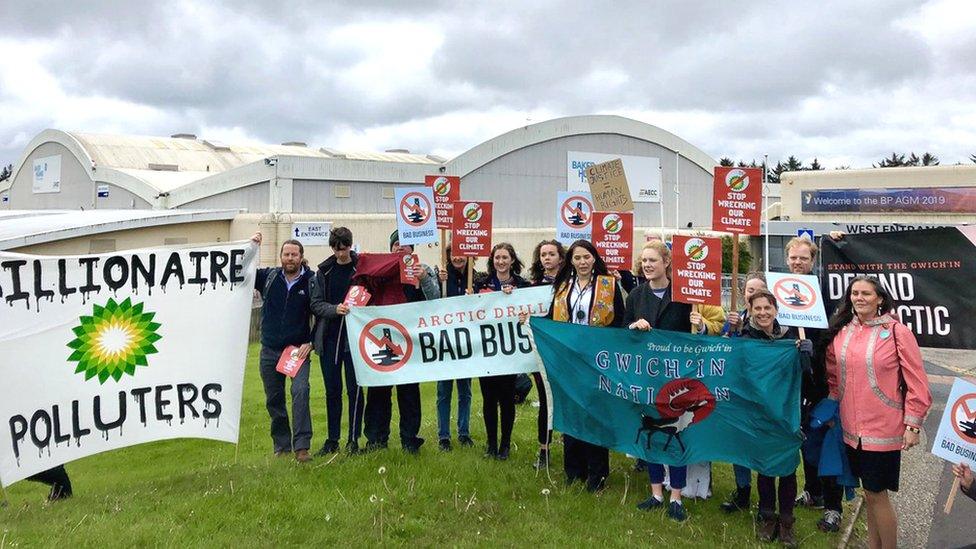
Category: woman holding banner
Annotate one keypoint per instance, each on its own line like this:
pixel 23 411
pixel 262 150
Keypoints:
pixel 762 325
pixel 586 294
pixel 455 279
pixel 547 258
pixel 498 392
pixel 875 371
pixel 650 306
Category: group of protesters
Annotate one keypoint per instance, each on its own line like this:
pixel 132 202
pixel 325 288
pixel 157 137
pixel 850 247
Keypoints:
pixel 863 384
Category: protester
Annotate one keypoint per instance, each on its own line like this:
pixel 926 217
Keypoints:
pixel 818 492
pixel 875 371
pixel 57 478
pixel 328 289
pixel 381 275
pixel 285 319
pixel 965 476
pixel 547 258
pixel 733 327
pixel 498 392
pixel 586 294
pixel 762 325
pixel 455 279
pixel 650 306
pixel 736 321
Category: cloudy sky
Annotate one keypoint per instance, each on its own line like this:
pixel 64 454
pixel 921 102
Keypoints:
pixel 844 81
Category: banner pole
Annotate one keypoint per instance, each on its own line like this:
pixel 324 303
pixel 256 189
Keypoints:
pixel 735 273
pixel 765 214
pixel 470 275
pixel 444 261
pixel 952 496
pixel 802 332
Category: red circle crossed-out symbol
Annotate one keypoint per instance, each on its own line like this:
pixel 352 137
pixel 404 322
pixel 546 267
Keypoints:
pixel 389 355
pixel 412 211
pixel 962 413
pixel 579 209
pixel 795 294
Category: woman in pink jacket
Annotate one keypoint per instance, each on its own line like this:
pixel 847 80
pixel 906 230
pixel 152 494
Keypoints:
pixel 874 369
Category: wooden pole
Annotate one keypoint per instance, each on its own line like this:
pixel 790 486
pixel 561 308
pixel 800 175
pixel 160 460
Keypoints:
pixel 470 275
pixel 444 261
pixel 952 496
pixel 735 273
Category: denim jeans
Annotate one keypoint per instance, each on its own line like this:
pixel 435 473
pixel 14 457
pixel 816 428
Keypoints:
pixel 445 389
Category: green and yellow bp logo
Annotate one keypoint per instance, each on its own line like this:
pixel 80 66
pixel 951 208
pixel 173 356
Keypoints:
pixel 114 340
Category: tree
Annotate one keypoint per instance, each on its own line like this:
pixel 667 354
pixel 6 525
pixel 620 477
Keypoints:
pixel 973 158
pixel 745 256
pixel 930 159
pixel 896 161
pixel 6 172
pixel 726 161
pixel 815 166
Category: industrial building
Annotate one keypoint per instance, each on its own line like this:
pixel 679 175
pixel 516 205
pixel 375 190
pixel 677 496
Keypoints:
pixel 274 186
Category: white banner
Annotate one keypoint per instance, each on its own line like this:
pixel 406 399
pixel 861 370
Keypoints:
pixel 100 352
pixel 457 337
pixel 47 175
pixel 643 173
pixel 798 298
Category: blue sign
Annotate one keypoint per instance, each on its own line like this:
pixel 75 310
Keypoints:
pixel 806 233
pixel 102 191
pixel 903 200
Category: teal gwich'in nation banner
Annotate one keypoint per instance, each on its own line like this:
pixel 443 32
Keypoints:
pixel 675 398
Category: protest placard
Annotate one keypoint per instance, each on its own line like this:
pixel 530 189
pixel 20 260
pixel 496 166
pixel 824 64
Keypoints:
pixel 696 270
pixel 416 220
pixel 608 185
pixel 407 275
pixel 574 212
pixel 798 299
pixel 613 234
pixel 737 200
pixel 447 191
pixel 471 229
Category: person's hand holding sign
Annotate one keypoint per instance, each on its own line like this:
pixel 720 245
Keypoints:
pixel 640 324
pixel 342 309
pixel 303 351
pixel 697 321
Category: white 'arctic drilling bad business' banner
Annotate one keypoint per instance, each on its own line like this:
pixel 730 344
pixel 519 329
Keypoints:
pixel 99 352
pixel 458 337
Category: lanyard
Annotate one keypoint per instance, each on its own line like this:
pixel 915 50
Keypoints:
pixel 579 314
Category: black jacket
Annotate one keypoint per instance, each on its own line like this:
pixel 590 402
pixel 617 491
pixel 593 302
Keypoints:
pixel 660 313
pixel 492 283
pixel 285 316
pixel 328 323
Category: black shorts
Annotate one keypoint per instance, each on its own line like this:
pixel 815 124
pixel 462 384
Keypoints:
pixel 877 471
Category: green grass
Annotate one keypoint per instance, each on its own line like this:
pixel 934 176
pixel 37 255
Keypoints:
pixel 194 493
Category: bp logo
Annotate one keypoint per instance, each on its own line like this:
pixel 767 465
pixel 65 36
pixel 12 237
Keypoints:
pixel 737 180
pixel 612 224
pixel 696 249
pixel 442 186
pixel 472 212
pixel 113 340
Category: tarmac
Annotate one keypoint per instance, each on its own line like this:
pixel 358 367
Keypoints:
pixel 926 479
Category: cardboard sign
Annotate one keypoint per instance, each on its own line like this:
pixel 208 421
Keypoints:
pixel 955 440
pixel 471 229
pixel 416 220
pixel 609 188
pixel 798 299
pixel 357 296
pixel 613 234
pixel 406 269
pixel 696 270
pixel 288 362
pixel 447 191
pixel 737 200
pixel 574 212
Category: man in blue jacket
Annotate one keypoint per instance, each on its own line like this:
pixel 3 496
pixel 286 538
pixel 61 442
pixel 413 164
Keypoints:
pixel 285 318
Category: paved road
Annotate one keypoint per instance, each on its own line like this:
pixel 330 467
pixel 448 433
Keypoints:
pixel 926 479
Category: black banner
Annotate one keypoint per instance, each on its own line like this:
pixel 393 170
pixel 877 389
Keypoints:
pixel 930 273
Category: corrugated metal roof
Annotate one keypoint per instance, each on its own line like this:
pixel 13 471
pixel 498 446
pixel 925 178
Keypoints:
pixel 26 227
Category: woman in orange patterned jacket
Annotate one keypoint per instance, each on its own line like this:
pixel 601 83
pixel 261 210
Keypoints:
pixel 875 371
